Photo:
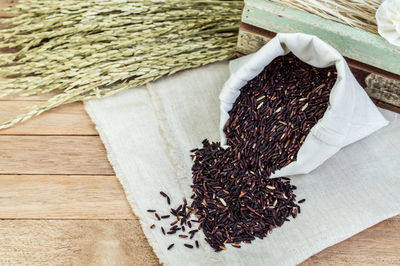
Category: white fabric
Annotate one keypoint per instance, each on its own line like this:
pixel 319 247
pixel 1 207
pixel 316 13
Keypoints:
pixel 148 132
pixel 351 115
pixel 388 20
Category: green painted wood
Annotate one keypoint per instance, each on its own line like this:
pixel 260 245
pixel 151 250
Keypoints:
pixel 352 42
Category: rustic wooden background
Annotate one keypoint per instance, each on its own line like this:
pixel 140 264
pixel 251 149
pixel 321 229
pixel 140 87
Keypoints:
pixel 61 204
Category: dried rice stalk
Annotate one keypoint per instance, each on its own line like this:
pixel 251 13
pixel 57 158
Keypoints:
pixel 95 48
pixel 356 13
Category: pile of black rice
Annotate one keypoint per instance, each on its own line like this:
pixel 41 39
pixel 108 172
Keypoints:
pixel 233 198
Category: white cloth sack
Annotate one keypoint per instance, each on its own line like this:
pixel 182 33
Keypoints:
pixel 388 20
pixel 351 115
pixel 148 132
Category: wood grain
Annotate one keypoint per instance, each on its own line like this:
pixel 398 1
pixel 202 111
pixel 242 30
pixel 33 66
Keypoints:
pixel 379 245
pixel 70 119
pixel 60 201
pixel 4 4
pixel 350 41
pixel 74 242
pixel 62 197
pixel 74 155
pixel 122 242
pixel 65 197
pixel 383 89
pixel 251 39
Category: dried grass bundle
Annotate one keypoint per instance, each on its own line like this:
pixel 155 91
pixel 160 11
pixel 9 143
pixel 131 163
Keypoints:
pixel 94 48
pixel 356 13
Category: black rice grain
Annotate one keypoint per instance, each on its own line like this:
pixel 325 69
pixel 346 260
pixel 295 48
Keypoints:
pixel 234 197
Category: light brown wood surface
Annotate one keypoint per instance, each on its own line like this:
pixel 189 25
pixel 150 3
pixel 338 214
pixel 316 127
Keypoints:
pixel 75 122
pixel 62 197
pixel 53 155
pixel 74 242
pixel 61 204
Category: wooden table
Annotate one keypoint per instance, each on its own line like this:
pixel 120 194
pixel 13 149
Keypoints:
pixel 60 202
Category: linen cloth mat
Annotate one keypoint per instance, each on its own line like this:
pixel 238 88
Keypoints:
pixel 148 132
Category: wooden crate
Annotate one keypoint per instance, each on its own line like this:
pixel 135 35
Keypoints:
pixel 365 52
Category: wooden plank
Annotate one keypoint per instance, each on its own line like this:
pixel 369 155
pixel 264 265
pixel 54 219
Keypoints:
pixel 386 106
pixel 384 89
pixel 74 242
pixel 4 4
pixel 103 242
pixel 7 3
pixel 75 155
pixel 252 38
pixel 62 197
pixel 70 119
pixel 352 42
pixel 379 245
